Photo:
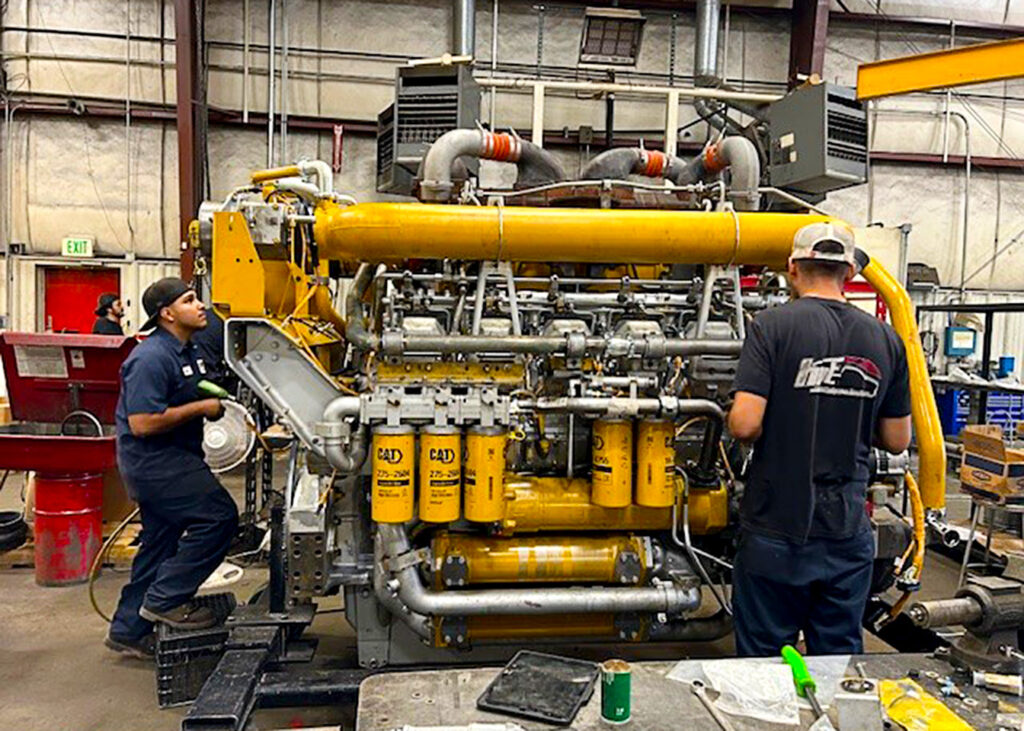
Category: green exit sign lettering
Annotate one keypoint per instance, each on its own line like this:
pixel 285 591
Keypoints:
pixel 80 246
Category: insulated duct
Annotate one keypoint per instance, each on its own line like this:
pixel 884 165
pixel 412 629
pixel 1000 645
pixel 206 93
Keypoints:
pixel 536 165
pixel 736 153
pixel 622 161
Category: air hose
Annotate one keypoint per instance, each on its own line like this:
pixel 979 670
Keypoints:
pixel 97 562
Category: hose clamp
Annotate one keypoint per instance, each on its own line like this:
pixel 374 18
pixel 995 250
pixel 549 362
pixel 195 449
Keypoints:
pixel 407 559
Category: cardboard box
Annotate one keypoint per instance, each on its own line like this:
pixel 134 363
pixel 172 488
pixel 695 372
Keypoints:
pixel 989 468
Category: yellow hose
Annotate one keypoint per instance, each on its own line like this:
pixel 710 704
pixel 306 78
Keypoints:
pixel 914 571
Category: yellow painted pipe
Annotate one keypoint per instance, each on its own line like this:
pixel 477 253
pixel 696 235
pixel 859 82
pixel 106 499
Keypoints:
pixel 265 176
pixel 931 447
pixel 398 231
pixel 489 560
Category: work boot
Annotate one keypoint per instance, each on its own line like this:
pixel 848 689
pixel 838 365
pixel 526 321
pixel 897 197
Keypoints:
pixel 143 648
pixel 185 616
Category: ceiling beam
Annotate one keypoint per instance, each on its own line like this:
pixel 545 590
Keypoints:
pixel 189 122
pixel 808 30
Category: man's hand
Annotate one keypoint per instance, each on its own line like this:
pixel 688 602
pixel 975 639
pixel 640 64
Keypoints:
pixel 746 416
pixel 212 408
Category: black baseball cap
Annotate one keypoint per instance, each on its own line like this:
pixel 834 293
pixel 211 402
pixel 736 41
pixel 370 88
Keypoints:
pixel 160 294
pixel 104 302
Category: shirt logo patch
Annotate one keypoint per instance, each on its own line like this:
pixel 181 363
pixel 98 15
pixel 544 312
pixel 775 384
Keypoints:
pixel 201 366
pixel 844 375
pixel 186 370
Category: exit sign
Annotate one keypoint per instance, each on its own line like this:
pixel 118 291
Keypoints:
pixel 80 246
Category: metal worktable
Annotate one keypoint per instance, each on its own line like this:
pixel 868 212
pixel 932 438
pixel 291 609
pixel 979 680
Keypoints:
pixel 438 697
pixel 988 310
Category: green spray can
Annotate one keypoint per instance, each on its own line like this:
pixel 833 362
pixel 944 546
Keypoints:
pixel 615 689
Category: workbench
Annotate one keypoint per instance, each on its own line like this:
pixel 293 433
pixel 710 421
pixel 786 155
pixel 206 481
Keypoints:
pixel 438 697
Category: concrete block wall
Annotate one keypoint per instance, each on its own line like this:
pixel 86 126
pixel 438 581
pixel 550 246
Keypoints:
pixel 66 175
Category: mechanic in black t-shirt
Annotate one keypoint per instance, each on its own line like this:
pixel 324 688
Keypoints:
pixel 819 382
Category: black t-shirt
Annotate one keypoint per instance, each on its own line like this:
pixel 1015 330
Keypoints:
pixel 103 326
pixel 829 372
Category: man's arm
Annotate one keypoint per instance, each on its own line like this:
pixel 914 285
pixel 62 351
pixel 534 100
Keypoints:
pixel 894 428
pixel 752 386
pixel 746 416
pixel 145 425
pixel 894 434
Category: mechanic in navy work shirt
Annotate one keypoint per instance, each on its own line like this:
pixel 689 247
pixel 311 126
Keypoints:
pixel 819 382
pixel 188 518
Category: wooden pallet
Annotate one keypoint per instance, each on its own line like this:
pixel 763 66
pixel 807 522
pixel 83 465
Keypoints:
pixel 119 556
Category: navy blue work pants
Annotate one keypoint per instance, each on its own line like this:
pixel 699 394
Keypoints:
pixel 185 536
pixel 820 587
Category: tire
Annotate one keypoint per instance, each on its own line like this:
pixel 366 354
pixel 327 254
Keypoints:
pixel 13 530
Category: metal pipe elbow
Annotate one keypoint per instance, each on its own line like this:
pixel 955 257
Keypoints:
pixel 535 165
pixel 341 408
pixel 387 595
pixel 346 459
pixel 321 171
pixel 436 184
pixel 740 155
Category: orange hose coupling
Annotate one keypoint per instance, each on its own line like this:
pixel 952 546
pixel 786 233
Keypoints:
pixel 652 163
pixel 502 147
pixel 713 160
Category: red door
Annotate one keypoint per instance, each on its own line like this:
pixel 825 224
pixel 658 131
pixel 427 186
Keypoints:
pixel 71 294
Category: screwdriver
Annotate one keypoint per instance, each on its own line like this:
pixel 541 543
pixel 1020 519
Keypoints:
pixel 805 685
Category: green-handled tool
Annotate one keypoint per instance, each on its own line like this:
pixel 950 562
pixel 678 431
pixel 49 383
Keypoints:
pixel 212 389
pixel 802 679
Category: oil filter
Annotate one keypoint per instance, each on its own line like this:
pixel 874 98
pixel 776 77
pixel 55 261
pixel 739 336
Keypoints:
pixel 616 680
pixel 612 474
pixel 485 473
pixel 655 463
pixel 393 495
pixel 440 473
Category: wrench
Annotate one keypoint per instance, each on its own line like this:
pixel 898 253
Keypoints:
pixel 698 689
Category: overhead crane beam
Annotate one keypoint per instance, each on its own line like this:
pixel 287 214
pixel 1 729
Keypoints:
pixel 976 64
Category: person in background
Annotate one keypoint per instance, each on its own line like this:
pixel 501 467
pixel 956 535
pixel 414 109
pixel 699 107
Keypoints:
pixel 109 312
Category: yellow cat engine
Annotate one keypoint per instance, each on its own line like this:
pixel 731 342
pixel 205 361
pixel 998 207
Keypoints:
pixel 511 403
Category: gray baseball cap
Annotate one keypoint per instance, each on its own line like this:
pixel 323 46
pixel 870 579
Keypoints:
pixel 824 242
